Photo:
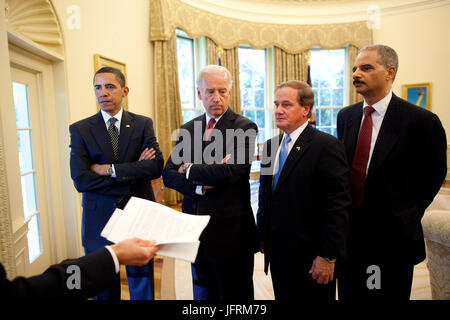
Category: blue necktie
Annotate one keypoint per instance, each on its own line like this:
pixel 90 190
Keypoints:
pixel 284 151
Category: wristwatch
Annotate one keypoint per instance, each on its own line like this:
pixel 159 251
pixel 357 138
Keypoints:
pixel 185 167
pixel 330 260
pixel 110 171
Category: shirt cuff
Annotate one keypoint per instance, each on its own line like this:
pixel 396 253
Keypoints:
pixel 114 257
pixel 114 171
pixel 199 190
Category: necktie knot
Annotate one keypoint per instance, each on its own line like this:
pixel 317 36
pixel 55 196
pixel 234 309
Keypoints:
pixel 368 110
pixel 211 123
pixel 287 139
pixel 284 151
pixel 210 126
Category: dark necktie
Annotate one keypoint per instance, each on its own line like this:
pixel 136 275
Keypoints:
pixel 284 151
pixel 114 135
pixel 361 158
pixel 209 128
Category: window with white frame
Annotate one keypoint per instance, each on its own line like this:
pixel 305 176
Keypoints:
pixel 328 84
pixel 186 77
pixel 254 85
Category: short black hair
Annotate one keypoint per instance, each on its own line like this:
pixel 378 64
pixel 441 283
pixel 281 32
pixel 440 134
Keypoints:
pixel 119 75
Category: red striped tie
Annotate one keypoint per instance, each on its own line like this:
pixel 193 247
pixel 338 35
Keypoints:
pixel 209 128
pixel 360 159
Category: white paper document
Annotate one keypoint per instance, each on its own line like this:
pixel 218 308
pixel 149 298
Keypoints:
pixel 176 233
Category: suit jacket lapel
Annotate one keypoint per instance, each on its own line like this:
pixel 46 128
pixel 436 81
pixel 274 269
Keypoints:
pixel 126 132
pixel 387 137
pixel 298 150
pixel 351 134
pixel 100 134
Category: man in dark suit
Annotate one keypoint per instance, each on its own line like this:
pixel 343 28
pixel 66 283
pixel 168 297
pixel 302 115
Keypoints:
pixel 397 152
pixel 114 155
pixel 304 196
pixel 79 279
pixel 213 176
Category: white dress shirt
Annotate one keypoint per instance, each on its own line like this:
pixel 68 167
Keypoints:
pixel 377 119
pixel 114 257
pixel 106 118
pixel 294 136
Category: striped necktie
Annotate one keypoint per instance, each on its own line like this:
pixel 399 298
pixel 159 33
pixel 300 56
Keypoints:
pixel 114 135
pixel 361 158
pixel 284 151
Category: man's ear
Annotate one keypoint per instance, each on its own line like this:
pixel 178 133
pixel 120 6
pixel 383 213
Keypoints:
pixel 125 91
pixel 391 73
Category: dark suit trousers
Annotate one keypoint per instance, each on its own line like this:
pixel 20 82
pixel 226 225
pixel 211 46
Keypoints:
pixel 391 281
pixel 224 280
pixel 291 280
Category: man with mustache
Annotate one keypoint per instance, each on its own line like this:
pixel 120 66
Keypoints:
pixel 114 156
pixel 398 162
pixel 304 197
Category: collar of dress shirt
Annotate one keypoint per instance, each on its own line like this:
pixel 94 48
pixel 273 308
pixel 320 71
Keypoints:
pixel 382 105
pixel 217 119
pixel 295 134
pixel 118 116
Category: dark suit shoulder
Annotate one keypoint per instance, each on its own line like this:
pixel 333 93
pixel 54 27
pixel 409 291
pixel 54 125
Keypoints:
pixel 85 121
pixel 136 116
pixel 351 108
pixel 242 121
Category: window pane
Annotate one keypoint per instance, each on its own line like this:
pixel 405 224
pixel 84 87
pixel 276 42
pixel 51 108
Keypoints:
pixel 326 117
pixel 325 97
pixel 327 75
pixel 25 152
pixel 246 98
pixel 337 97
pixel 260 119
pixel 252 69
pixel 190 114
pixel 28 195
pixel 20 93
pixel 34 238
pixel 259 98
pixel 186 78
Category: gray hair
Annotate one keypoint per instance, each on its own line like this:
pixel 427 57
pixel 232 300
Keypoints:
pixel 214 69
pixel 388 56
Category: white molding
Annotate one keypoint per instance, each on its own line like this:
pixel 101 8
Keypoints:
pixel 310 12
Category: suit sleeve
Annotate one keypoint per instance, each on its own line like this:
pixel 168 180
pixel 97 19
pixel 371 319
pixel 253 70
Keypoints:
pixel 217 174
pixel 264 180
pixel 175 180
pixel 334 200
pixel 84 179
pixel 145 169
pixel 433 160
pixel 96 270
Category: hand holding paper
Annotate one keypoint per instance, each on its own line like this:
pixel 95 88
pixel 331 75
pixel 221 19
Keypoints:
pixel 176 233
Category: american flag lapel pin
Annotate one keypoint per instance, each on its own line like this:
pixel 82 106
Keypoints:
pixel 298 148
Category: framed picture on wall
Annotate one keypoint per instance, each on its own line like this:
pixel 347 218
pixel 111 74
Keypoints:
pixel 418 94
pixel 102 61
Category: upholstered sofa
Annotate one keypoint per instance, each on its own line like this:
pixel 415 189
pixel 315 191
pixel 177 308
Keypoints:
pixel 436 227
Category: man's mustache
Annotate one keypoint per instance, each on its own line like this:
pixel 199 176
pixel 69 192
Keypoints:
pixel 358 81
